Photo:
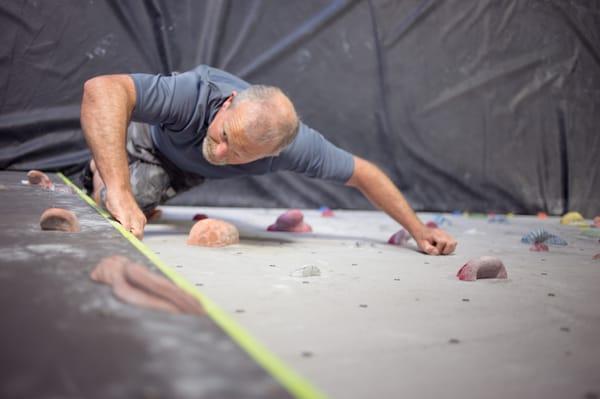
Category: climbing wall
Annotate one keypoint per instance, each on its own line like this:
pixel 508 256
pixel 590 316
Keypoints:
pixel 64 335
pixel 365 319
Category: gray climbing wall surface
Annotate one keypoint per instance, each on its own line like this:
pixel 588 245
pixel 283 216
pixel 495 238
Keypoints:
pixel 382 321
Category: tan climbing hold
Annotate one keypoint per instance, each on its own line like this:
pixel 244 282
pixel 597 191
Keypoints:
pixel 59 219
pixel 213 233
pixel 142 278
pixel 37 178
pixel 136 284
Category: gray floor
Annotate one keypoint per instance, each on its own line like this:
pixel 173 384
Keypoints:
pixel 384 321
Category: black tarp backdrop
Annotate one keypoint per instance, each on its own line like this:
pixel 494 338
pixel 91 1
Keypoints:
pixel 480 105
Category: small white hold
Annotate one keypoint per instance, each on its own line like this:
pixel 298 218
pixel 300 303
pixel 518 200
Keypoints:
pixel 307 271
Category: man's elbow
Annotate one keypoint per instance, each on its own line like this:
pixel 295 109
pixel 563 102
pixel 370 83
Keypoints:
pixel 361 168
pixel 94 85
pixel 105 85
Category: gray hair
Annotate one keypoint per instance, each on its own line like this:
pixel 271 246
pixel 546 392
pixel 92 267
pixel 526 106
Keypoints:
pixel 270 118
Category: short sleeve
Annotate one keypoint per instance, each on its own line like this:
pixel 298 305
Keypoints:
pixel 314 156
pixel 166 100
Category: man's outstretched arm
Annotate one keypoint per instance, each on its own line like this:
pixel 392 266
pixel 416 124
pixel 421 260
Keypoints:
pixel 106 108
pixel 382 193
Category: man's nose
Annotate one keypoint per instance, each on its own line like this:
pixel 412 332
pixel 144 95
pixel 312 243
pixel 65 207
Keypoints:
pixel 221 150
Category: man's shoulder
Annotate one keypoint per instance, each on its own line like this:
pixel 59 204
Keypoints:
pixel 223 78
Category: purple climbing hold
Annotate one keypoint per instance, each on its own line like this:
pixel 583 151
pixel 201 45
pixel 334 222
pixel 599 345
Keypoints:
pixel 399 238
pixel 291 221
pixel 483 267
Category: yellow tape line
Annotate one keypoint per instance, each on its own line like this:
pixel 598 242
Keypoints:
pixel 294 383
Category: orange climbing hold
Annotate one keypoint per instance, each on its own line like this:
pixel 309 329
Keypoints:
pixel 59 219
pixel 213 233
pixel 37 178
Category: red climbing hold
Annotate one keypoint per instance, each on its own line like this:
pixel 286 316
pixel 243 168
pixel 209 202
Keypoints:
pixel 326 212
pixel 539 247
pixel 199 216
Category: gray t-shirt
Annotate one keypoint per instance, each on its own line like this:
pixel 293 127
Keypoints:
pixel 181 106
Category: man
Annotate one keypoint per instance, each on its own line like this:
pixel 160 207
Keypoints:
pixel 206 123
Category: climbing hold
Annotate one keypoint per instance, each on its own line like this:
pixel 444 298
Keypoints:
pixel 326 212
pixel 596 257
pixel 542 215
pixel 142 278
pixel 431 225
pixel 597 221
pixel 199 216
pixel 483 267
pixel 37 178
pixel 496 218
pixel 542 236
pixel 213 233
pixel 539 247
pixel 59 219
pixel 291 221
pixel 306 271
pixel 572 218
pixel 401 237
pixel 591 232
pixel 478 215
pixel 441 220
pixel 135 284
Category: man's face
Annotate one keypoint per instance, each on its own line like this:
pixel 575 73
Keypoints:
pixel 225 142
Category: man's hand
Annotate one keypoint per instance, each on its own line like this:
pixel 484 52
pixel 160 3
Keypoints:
pixel 434 241
pixel 126 211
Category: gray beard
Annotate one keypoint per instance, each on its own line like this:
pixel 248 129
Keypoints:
pixel 207 155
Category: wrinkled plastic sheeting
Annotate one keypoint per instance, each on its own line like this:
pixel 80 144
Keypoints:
pixel 475 105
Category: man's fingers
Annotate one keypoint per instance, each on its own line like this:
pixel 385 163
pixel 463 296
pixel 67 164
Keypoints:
pixel 134 228
pixel 138 232
pixel 440 246
pixel 429 249
pixel 125 222
pixel 450 247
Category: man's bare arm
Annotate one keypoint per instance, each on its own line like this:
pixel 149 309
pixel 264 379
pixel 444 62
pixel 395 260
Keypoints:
pixel 382 193
pixel 106 108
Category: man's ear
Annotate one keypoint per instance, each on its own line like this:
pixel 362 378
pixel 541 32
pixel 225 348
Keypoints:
pixel 227 102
